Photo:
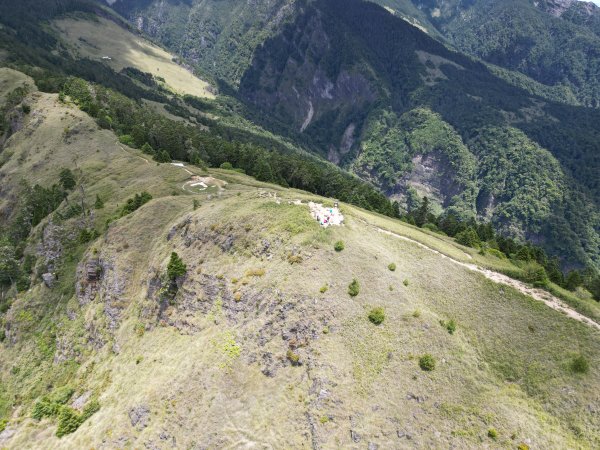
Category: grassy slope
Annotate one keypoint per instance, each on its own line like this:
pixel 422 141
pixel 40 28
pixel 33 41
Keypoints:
pixel 505 368
pixel 95 39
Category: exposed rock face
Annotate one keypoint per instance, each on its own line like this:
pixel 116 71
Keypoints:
pixel 303 91
pixel 139 416
pixel 49 279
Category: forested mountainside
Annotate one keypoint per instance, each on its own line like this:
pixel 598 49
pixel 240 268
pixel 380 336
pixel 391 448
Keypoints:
pixel 555 42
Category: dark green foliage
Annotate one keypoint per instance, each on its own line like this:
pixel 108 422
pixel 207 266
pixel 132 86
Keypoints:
pixel 136 202
pixel 573 280
pixel 354 288
pixel 427 362
pixel 55 405
pixel 147 149
pixel 392 267
pixel 492 434
pixel 226 165
pixel 580 364
pixel 127 140
pixel 534 272
pixel 377 316
pixel 67 179
pixel 68 421
pixel 450 326
pixel 176 268
pixel 468 238
pixel 339 246
pixel 162 156
pixel 9 265
pixel 51 404
pixel 98 203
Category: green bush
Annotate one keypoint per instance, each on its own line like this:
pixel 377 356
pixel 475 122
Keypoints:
pixel 580 364
pixel 293 358
pixel 147 149
pixel 127 140
pixel 497 253
pixel 135 203
pixel 534 273
pixel 3 424
pixel 68 421
pixel 405 283
pixel 354 288
pixel 339 246
pixel 492 433
pixel 176 268
pixel 450 326
pixel 67 179
pixel 392 267
pixel 377 316
pixel 162 157
pixel 98 203
pixel 427 362
pixel 468 237
pixel 227 166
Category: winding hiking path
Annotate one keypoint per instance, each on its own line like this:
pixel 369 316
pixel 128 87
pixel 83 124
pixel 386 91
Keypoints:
pixel 538 294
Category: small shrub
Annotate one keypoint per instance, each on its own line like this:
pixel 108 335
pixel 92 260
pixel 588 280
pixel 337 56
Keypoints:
pixel 427 362
pixel 354 288
pixel 492 434
pixel 195 204
pixel 139 329
pixel 176 268
pixel 68 421
pixel 162 157
pixel 534 273
pixel 255 272
pixel 468 237
pixel 99 203
pixel 580 364
pixel 295 259
pixel 126 139
pixel 324 419
pixel 497 253
pixel 293 357
pixel 377 316
pixel 237 296
pixel 324 289
pixel 416 313
pixel 405 282
pixel 135 203
pixel 3 424
pixel 450 326
pixel 392 267
pixel 67 179
pixel 227 166
pixel 339 246
pixel 523 446
pixel 147 149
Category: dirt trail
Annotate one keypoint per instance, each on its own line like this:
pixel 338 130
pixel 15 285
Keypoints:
pixel 538 294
